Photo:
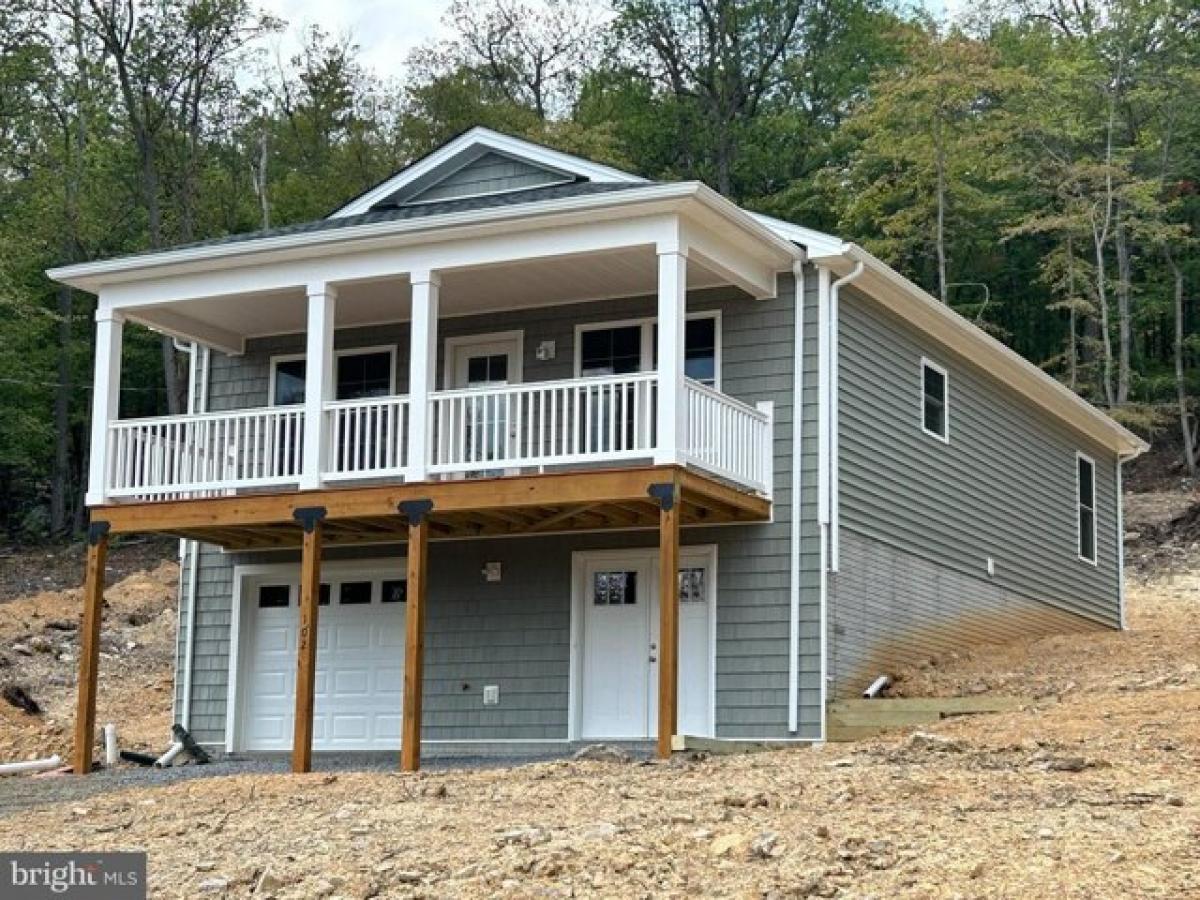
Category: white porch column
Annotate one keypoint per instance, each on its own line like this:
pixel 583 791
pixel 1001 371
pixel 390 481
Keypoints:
pixel 672 315
pixel 422 371
pixel 318 381
pixel 106 398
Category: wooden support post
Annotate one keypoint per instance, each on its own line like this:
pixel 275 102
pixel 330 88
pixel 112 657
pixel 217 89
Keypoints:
pixel 417 513
pixel 89 647
pixel 310 519
pixel 670 508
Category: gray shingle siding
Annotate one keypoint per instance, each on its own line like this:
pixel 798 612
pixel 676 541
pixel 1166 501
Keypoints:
pixel 490 173
pixel 920 518
pixel 530 610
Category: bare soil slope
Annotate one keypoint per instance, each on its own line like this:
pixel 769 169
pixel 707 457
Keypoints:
pixel 1094 796
pixel 39 654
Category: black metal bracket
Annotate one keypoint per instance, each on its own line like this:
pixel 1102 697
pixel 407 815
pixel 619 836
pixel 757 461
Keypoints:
pixel 309 516
pixel 664 493
pixel 415 510
pixel 96 531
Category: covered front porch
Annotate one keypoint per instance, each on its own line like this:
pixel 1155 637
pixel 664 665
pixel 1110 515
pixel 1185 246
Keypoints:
pixel 665 498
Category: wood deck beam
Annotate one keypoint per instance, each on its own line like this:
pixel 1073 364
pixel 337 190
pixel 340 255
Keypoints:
pixel 417 514
pixel 306 645
pixel 89 647
pixel 670 510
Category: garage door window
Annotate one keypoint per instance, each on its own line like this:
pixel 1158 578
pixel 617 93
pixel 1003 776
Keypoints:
pixel 273 596
pixel 394 592
pixel 355 593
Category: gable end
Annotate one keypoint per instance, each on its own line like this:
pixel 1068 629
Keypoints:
pixel 489 172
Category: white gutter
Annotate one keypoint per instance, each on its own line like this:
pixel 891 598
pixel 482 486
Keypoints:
pixel 797 470
pixel 92 276
pixel 834 423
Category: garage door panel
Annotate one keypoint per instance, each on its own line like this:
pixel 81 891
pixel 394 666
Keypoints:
pixel 350 684
pixel 352 636
pixel 358 685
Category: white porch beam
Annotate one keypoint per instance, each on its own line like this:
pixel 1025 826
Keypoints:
pixel 388 260
pixel 672 317
pixel 318 380
pixel 422 370
pixel 106 400
pixel 728 259
pixel 186 328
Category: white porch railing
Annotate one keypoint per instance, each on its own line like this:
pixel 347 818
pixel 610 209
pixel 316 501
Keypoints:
pixel 492 429
pixel 548 423
pixel 729 438
pixel 205 454
pixel 368 438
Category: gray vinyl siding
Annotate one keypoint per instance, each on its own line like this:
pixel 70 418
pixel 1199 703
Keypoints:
pixel 920 518
pixel 531 608
pixel 490 173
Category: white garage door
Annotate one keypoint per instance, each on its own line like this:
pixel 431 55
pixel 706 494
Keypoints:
pixel 360 662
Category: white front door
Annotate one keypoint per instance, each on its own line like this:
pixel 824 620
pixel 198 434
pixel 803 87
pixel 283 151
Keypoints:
pixel 478 362
pixel 360 661
pixel 616 598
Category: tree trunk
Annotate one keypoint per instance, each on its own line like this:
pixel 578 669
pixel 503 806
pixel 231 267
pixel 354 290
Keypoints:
pixel 60 480
pixel 1073 335
pixel 1185 418
pixel 1106 381
pixel 1124 329
pixel 940 165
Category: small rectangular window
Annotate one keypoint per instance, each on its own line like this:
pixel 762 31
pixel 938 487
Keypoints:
pixel 614 588
pixel 323 599
pixel 395 591
pixel 935 401
pixel 1085 490
pixel 354 593
pixel 692 588
pixel 273 596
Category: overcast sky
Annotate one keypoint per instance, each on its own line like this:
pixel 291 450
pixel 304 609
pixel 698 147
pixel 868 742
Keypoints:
pixel 386 30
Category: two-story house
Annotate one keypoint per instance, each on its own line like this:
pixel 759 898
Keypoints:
pixel 517 450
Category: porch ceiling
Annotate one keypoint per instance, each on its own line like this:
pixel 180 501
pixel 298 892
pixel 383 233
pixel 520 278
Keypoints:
pixel 493 507
pixel 224 322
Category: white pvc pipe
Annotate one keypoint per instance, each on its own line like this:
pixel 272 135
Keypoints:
pixel 32 765
pixel 110 745
pixel 797 468
pixel 877 687
pixel 165 760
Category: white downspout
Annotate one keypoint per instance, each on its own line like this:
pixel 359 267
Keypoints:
pixel 823 477
pixel 197 402
pixel 797 468
pixel 834 462
pixel 1120 547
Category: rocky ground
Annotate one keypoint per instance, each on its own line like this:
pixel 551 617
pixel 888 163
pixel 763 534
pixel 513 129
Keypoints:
pixel 39 655
pixel 1091 791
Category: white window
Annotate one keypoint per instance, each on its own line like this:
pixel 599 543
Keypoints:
pixel 367 372
pixel 935 401
pixel 620 348
pixel 1085 496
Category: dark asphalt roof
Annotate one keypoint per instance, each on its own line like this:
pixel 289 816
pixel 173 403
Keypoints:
pixel 417 211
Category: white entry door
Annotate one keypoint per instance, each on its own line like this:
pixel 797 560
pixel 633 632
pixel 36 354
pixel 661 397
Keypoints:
pixel 482 361
pixel 618 647
pixel 360 661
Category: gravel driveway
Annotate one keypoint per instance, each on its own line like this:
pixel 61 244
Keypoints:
pixel 23 792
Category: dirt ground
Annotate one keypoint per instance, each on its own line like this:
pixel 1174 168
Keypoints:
pixel 39 654
pixel 1091 791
